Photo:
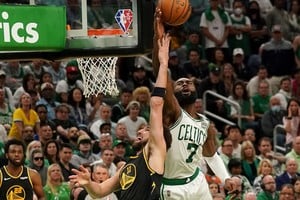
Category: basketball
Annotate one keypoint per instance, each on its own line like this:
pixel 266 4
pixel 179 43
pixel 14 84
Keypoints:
pixel 175 12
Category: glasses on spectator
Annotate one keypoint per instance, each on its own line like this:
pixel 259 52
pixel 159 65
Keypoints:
pixel 38 158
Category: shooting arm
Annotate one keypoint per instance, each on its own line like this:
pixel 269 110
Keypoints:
pixel 171 107
pixel 156 141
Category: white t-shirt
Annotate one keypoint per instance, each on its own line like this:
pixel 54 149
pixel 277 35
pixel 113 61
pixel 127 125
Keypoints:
pixel 216 27
pixel 132 126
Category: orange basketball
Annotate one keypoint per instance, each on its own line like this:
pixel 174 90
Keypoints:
pixel 175 12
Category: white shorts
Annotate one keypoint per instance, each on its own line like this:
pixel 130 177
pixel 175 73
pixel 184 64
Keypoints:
pixel 194 190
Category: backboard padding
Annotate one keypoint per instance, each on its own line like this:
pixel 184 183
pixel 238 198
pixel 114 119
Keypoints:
pixel 80 44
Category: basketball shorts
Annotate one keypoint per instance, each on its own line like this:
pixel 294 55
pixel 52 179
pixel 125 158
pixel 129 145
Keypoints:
pixel 191 188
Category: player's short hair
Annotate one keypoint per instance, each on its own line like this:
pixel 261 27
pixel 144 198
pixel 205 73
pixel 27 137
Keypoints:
pixel 14 142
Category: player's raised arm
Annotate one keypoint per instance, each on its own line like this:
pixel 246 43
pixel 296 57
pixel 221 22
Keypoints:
pixel 157 143
pixel 171 107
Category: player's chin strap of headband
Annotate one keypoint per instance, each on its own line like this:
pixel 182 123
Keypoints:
pixel 217 166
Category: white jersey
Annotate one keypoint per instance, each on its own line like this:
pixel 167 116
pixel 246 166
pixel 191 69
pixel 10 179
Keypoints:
pixel 188 136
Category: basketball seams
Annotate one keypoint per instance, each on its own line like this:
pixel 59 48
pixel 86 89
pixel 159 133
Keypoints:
pixel 182 14
pixel 175 12
pixel 171 11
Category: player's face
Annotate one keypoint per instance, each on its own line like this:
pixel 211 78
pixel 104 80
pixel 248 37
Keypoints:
pixel 143 133
pixel 141 139
pixel 15 155
pixel 185 91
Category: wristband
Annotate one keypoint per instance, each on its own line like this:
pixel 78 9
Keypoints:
pixel 217 166
pixel 289 118
pixel 159 92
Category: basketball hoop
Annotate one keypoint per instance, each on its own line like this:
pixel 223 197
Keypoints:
pixel 98 75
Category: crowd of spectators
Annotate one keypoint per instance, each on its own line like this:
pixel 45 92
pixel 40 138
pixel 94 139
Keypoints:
pixel 246 51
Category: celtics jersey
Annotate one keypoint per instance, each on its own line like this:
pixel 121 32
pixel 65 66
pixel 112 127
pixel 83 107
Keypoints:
pixel 188 136
pixel 16 187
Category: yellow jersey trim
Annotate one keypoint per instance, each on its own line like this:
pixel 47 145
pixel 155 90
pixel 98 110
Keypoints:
pixel 147 163
pixel 29 177
pixel 15 177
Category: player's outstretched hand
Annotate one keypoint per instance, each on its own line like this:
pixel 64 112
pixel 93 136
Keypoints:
pixel 230 186
pixel 163 46
pixel 159 28
pixel 82 177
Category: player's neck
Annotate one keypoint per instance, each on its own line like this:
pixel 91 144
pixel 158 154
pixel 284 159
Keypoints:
pixel 14 170
pixel 191 110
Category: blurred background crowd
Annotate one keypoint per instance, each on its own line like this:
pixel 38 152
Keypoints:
pixel 246 51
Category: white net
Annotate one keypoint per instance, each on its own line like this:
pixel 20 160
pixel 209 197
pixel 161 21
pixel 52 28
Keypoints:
pixel 98 74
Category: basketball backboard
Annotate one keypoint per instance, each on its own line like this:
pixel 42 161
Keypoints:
pixel 75 28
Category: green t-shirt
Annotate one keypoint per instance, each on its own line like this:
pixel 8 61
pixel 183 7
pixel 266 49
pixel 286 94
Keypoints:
pixel 267 196
pixel 62 192
pixel 260 104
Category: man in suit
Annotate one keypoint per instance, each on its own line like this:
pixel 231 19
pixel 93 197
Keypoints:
pixel 289 175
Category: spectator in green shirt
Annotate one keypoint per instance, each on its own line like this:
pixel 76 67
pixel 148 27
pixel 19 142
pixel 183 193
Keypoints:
pixel 269 189
pixel 55 187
